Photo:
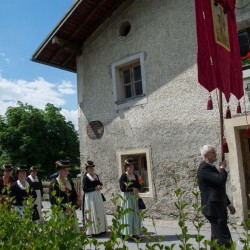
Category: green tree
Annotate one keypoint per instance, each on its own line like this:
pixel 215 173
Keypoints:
pixel 61 137
pixel 37 137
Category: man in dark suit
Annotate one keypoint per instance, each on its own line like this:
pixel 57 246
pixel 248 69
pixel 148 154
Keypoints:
pixel 212 184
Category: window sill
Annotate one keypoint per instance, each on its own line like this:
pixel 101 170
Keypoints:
pixel 246 73
pixel 246 66
pixel 130 99
pixel 131 102
pixel 146 195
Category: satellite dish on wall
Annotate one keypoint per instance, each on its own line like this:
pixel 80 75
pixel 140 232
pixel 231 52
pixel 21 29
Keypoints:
pixel 95 130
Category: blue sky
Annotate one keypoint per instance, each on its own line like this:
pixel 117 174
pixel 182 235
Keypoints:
pixel 24 24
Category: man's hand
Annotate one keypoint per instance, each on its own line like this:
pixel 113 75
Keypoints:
pixel 223 164
pixel 232 209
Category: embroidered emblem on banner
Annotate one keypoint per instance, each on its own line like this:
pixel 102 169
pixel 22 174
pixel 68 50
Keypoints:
pixel 220 24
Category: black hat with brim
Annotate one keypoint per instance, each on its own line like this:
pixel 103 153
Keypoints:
pixel 89 164
pixel 7 167
pixel 33 168
pixel 129 161
pixel 62 164
pixel 22 168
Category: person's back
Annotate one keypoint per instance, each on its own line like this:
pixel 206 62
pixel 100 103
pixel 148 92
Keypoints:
pixel 209 182
pixel 212 185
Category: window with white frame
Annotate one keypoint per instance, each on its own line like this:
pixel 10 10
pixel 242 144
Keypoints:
pixel 142 168
pixel 244 41
pixel 131 81
pixel 128 79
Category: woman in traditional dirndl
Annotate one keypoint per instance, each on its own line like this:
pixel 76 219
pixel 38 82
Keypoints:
pixel 36 184
pixel 21 191
pixel 6 181
pixel 130 187
pixel 64 188
pixel 93 207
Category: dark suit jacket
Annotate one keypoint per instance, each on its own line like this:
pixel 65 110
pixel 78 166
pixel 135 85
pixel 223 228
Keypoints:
pixel 212 184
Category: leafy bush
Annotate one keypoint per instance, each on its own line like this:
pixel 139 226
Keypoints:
pixel 56 230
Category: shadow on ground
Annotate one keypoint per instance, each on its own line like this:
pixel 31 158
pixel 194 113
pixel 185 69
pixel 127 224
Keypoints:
pixel 150 237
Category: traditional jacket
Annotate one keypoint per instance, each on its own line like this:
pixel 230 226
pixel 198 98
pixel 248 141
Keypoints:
pixel 68 193
pixel 21 193
pixel 127 184
pixel 89 183
pixel 3 184
pixel 35 184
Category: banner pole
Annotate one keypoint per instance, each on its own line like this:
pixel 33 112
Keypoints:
pixel 221 125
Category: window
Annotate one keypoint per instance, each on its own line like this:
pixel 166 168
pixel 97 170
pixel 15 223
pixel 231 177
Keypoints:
pixel 142 168
pixel 129 84
pixel 125 29
pixel 244 41
pixel 131 81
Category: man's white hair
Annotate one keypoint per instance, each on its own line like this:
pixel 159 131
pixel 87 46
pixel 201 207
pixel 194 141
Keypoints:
pixel 205 149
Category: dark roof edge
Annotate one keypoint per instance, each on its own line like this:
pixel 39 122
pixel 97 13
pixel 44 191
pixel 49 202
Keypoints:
pixel 53 32
pixel 54 65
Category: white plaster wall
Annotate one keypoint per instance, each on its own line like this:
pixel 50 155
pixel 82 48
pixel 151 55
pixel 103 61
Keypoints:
pixel 174 123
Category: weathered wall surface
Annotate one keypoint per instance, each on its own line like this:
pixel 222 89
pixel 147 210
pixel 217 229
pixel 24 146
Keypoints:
pixel 174 123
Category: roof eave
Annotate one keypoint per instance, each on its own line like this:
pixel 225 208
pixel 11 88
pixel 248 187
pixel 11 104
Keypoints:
pixel 49 38
pixel 54 65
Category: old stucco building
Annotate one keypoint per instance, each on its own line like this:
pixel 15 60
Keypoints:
pixel 138 95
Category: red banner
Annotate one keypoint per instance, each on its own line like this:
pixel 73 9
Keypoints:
pixel 218 58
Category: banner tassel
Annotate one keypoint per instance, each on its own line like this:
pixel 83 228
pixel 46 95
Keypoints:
pixel 238 109
pixel 209 103
pixel 225 146
pixel 228 113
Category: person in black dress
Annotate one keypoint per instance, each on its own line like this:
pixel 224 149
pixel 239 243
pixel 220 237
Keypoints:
pixel 21 191
pixel 64 188
pixel 93 207
pixel 36 185
pixel 130 187
pixel 6 181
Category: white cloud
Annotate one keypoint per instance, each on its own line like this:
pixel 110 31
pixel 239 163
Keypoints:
pixel 66 88
pixel 71 115
pixel 36 93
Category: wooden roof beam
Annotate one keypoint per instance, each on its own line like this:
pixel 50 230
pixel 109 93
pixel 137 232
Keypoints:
pixel 73 48
pixel 93 11
pixel 67 61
